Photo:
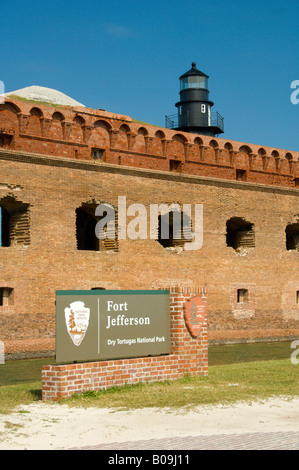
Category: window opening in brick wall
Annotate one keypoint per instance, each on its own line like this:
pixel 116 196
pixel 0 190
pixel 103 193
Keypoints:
pixel 97 153
pixel 6 138
pixel 292 237
pixel 174 229
pixel 242 296
pixel 6 296
pixel 296 181
pixel 4 221
pixel 241 175
pixel 86 230
pixel 297 298
pixel 15 223
pixel 240 233
pixel 175 165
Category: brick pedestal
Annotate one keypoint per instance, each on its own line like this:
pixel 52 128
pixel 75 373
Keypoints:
pixel 189 355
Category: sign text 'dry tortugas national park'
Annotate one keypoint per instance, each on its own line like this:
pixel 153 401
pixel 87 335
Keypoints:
pixel 105 324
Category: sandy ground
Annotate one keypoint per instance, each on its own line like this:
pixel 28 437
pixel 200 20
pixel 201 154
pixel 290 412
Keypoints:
pixel 42 426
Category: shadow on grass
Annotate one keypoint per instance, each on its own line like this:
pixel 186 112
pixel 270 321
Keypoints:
pixel 36 394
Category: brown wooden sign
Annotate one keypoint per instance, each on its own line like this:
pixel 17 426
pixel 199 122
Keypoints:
pixel 195 311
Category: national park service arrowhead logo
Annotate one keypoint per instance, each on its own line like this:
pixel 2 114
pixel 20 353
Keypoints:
pixel 195 311
pixel 77 321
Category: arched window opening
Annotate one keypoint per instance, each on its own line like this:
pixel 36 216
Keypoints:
pixel 240 233
pixel 245 149
pixel 228 146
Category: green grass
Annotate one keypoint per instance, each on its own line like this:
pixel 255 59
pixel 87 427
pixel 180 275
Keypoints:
pixel 29 370
pixel 44 103
pixel 22 371
pixel 247 352
pixel 12 396
pixel 236 373
pixel 225 384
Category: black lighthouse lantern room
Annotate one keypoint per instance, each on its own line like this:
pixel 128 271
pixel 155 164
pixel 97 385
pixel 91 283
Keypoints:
pixel 194 108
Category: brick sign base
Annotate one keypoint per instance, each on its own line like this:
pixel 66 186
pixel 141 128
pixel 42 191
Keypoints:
pixel 189 355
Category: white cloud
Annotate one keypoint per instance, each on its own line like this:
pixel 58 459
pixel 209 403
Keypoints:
pixel 118 30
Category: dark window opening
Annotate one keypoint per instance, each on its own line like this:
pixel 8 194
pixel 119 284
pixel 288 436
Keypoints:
pixel 240 233
pixel 6 296
pixel 292 237
pixel 86 222
pixel 174 229
pixel 241 175
pixel 5 224
pixel 242 296
pixel 85 230
pixel 175 165
pixel 15 223
pixel 297 297
pixel 98 288
pixel 97 154
pixel 6 139
pixel 296 182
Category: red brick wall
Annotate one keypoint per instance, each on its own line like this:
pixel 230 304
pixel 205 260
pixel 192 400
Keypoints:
pixel 74 132
pixel 46 164
pixel 188 356
pixel 54 187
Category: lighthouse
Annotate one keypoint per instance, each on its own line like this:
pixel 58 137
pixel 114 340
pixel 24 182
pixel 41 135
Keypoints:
pixel 194 108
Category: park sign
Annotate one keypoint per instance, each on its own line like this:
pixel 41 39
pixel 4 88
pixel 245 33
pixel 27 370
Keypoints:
pixel 111 324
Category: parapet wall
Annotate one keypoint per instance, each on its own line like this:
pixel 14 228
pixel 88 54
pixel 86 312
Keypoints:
pixel 189 355
pixel 96 135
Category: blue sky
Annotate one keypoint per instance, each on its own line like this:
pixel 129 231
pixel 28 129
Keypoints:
pixel 126 57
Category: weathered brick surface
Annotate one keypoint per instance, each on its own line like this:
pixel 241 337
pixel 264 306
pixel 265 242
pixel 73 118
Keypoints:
pixel 74 132
pixel 188 356
pixel 47 165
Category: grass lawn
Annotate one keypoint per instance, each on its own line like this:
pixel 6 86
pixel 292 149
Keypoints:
pixel 246 381
pixel 29 370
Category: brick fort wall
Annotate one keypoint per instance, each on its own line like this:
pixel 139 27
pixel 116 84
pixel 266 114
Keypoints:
pixel 57 163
